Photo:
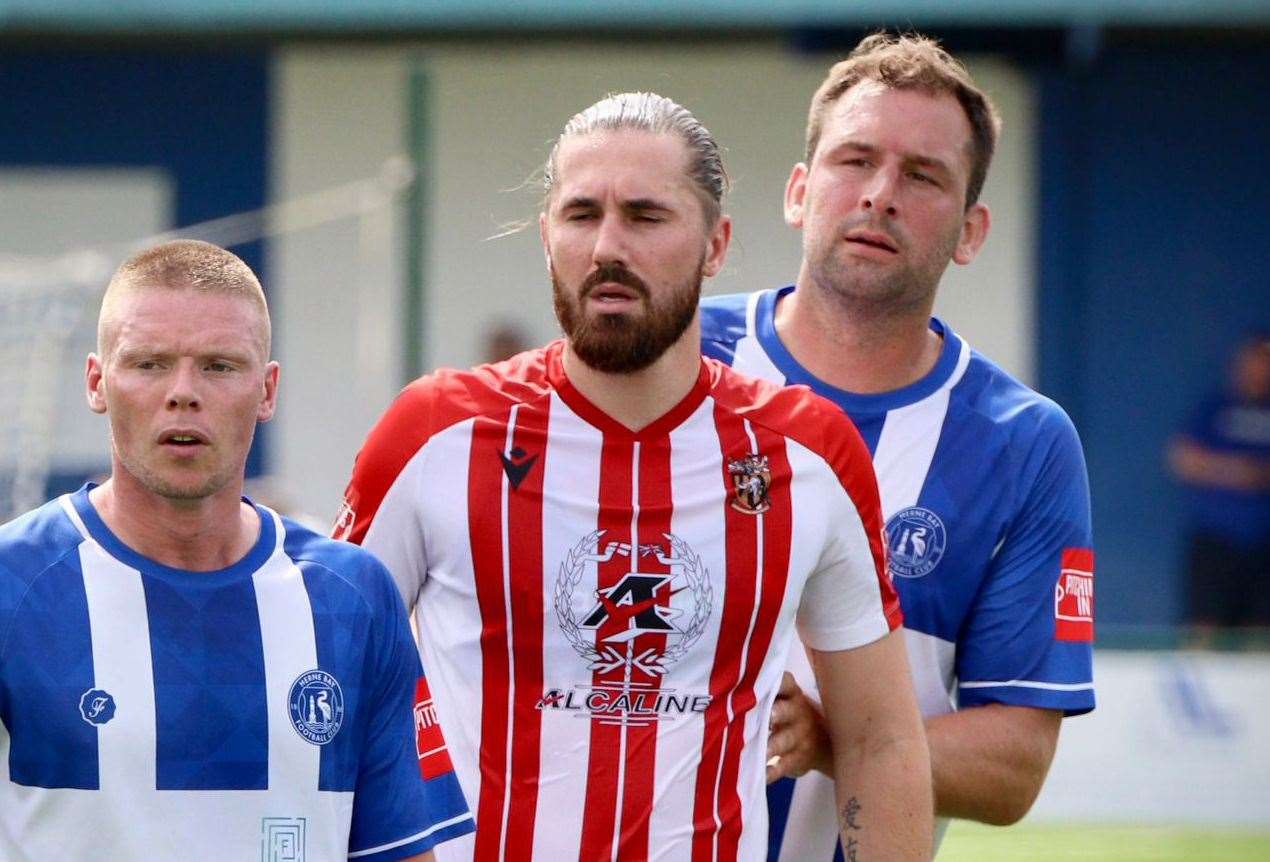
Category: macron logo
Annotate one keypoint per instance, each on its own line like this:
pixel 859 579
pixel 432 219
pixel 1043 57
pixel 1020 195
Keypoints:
pixel 517 467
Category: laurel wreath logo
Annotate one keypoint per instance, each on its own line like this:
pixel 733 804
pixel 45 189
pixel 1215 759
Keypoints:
pixel 609 657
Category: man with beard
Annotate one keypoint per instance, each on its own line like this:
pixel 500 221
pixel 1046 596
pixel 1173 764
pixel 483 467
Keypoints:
pixel 608 542
pixel 982 481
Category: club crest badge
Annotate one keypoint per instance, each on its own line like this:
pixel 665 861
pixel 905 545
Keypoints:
pixel 316 704
pixel 96 706
pixel 751 479
pixel 916 540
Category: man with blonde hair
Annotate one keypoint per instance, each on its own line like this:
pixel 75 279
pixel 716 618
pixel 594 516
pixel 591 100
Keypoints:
pixel 185 675
pixel 982 481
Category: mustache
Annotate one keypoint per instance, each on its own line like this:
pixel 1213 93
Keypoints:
pixel 613 273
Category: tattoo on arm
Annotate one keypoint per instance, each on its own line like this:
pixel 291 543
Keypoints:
pixel 852 852
pixel 849 813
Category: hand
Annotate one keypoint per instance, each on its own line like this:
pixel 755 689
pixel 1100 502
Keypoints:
pixel 797 740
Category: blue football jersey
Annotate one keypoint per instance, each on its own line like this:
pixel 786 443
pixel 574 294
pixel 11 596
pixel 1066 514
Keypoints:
pixel 272 710
pixel 986 501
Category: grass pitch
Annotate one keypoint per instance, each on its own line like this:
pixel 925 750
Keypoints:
pixel 973 842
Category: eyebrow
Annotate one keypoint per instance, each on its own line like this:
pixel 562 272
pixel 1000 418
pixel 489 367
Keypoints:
pixel 632 205
pixel 911 158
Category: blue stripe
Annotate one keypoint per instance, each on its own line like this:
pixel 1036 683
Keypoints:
pixel 779 795
pixel 341 627
pixel 209 685
pixel 48 667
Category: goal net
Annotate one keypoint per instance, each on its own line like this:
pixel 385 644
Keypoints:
pixel 48 308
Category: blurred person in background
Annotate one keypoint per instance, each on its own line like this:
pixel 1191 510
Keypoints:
pixel 609 541
pixel 1223 459
pixel 503 341
pixel 185 674
pixel 983 482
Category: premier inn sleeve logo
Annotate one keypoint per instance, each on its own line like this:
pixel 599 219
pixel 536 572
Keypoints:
pixel 1074 596
pixel 434 759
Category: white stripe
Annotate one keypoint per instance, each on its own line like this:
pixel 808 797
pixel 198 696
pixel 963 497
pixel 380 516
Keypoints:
pixel 1024 683
pixel 435 827
pixel 505 492
pixel 289 649
pixel 748 355
pixel 630 649
pixel 122 666
pixel 745 649
pixel 905 449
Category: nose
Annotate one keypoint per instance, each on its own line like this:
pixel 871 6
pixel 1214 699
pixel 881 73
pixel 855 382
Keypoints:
pixel 879 192
pixel 610 242
pixel 183 387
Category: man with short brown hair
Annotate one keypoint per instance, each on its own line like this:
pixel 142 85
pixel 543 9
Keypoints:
pixel 982 480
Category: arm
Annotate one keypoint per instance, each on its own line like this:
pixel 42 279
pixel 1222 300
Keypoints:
pixel 881 764
pixel 1197 464
pixel 989 762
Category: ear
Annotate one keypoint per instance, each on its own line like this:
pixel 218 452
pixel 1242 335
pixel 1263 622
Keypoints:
pixel 95 384
pixel 974 231
pixel 717 246
pixel 269 398
pixel 543 235
pixel 795 194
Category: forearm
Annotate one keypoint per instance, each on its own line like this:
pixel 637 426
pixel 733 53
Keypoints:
pixel 884 804
pixel 988 763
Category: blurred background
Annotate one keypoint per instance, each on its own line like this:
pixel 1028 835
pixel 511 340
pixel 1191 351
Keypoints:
pixel 376 162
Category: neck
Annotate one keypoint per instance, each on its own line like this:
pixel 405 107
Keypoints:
pixel 855 347
pixel 637 399
pixel 197 535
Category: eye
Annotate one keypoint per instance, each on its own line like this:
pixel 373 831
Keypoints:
pixel 923 178
pixel 219 367
pixel 579 216
pixel 651 219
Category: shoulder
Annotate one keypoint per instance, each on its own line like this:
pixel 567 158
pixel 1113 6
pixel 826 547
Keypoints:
pixel 31 543
pixel 445 398
pixel 724 319
pixel 339 564
pixel 1036 428
pixel 796 413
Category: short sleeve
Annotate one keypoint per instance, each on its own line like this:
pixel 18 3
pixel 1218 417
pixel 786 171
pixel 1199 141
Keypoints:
pixel 1028 640
pixel 407 798
pixel 380 506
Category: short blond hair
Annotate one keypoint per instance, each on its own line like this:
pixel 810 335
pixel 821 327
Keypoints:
pixel 183 264
pixel 912 62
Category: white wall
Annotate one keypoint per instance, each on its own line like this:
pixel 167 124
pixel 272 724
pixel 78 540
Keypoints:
pixel 493 111
pixel 1176 738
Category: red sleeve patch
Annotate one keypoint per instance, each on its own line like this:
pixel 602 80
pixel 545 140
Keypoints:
pixel 1074 596
pixel 434 760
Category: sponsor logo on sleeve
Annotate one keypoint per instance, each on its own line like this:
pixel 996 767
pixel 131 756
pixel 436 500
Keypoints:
pixel 434 760
pixel 1074 596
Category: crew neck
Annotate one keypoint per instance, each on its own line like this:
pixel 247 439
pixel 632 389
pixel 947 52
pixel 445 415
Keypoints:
pixel 113 545
pixel 853 402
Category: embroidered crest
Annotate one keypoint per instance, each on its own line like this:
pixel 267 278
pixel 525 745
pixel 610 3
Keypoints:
pixel 316 704
pixel 751 479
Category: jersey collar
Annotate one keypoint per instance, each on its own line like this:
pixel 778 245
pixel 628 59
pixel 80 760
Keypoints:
pixel 113 545
pixel 593 415
pixel 853 402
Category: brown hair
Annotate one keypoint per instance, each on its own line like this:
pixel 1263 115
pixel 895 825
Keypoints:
pixel 183 264
pixel 649 112
pixel 912 62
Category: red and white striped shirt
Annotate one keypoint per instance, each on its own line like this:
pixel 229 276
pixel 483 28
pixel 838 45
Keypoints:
pixel 604 615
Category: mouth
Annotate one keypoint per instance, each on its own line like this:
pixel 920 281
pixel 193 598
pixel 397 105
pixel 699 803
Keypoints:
pixel 610 293
pixel 183 439
pixel 872 239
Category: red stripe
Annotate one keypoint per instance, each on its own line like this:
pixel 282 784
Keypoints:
pixel 524 516
pixel 656 507
pixel 777 525
pixel 741 537
pixel 485 529
pixel 606 738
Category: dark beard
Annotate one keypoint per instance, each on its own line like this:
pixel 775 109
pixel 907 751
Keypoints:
pixel 622 343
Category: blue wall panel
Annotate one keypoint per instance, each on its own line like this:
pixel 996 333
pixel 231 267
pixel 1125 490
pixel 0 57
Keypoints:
pixel 1154 259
